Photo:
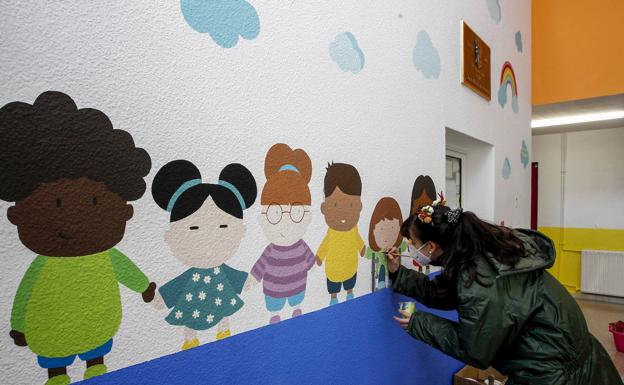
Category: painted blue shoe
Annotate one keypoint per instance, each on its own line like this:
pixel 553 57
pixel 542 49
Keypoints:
pixel 333 301
pixel 350 296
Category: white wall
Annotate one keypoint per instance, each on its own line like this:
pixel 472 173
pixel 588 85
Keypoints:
pixel 182 96
pixel 594 181
pixel 478 171
pixel 487 121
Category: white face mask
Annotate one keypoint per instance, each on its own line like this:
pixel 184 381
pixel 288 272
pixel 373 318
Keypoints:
pixel 418 256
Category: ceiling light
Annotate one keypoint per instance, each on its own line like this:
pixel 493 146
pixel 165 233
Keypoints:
pixel 581 118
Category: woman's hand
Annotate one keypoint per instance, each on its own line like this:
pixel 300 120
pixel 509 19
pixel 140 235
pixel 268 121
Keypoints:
pixel 403 321
pixel 394 259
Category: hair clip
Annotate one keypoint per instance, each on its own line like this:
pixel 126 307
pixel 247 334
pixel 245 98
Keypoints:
pixel 453 215
pixel 425 214
pixel 441 201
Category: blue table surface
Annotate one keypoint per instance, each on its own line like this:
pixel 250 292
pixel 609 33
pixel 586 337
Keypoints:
pixel 356 342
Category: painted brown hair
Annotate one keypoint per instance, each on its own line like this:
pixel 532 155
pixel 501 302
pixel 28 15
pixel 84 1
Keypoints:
pixel 386 208
pixel 345 177
pixel 288 173
pixel 422 186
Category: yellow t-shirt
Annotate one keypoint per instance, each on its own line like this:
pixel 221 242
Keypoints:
pixel 341 250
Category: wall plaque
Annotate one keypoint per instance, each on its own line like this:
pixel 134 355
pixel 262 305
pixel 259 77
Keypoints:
pixel 475 62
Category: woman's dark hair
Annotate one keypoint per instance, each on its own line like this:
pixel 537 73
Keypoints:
pixel 52 139
pixel 171 178
pixel 463 242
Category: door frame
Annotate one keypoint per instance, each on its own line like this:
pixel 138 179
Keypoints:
pixel 460 154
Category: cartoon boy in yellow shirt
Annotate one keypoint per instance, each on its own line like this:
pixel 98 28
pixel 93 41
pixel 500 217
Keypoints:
pixel 342 243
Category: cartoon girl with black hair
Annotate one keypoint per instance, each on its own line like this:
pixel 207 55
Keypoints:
pixel 205 231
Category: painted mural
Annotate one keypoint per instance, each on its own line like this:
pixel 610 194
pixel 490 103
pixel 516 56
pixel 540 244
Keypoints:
pixel 71 179
pixel 508 80
pixel 70 176
pixel 423 193
pixel 384 233
pixel 226 21
pixel 342 243
pixel 426 57
pixel 285 217
pixel 506 170
pixel 206 228
pixel 346 53
pixel 494 8
pixel 524 154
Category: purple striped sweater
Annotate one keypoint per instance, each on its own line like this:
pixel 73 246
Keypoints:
pixel 284 269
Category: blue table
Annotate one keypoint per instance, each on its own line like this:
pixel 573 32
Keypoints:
pixel 356 342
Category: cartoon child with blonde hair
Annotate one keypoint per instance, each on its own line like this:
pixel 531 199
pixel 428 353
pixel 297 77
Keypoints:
pixel 284 264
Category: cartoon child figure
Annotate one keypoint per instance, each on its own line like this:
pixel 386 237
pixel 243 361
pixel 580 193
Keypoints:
pixel 284 264
pixel 71 176
pixel 342 243
pixel 423 194
pixel 384 233
pixel 206 228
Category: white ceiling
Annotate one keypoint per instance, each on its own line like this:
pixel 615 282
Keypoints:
pixel 584 106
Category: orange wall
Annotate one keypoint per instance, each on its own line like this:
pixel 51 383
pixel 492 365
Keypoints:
pixel 578 49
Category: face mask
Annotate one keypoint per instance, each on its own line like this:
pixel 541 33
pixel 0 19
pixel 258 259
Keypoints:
pixel 418 256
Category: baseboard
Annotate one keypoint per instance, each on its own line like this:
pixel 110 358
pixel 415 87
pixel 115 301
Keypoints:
pixel 599 298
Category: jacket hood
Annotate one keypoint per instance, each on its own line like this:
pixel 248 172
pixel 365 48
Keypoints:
pixel 539 254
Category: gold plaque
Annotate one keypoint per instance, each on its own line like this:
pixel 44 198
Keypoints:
pixel 475 63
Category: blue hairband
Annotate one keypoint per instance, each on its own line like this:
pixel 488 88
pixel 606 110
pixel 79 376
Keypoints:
pixel 185 186
pixel 289 167
pixel 234 191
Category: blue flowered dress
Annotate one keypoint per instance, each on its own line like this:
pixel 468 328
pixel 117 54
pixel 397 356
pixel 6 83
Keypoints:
pixel 200 298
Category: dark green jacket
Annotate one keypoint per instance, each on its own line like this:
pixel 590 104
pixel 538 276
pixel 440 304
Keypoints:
pixel 525 324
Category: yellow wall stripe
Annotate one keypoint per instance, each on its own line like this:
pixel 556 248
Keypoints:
pixel 570 241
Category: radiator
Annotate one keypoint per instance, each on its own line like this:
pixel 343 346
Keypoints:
pixel 602 272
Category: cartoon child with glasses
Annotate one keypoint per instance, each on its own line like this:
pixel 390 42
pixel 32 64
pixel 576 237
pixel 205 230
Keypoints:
pixel 285 216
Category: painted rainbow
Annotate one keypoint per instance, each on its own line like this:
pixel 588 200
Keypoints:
pixel 509 77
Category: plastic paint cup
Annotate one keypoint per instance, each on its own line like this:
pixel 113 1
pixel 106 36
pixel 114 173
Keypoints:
pixel 409 307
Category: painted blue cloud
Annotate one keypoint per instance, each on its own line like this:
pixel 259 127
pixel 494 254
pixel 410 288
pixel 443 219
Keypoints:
pixel 345 51
pixel 502 98
pixel 506 168
pixel 495 10
pixel 524 154
pixel 224 20
pixel 519 41
pixel 426 57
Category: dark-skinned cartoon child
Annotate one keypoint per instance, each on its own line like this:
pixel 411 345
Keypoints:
pixel 342 243
pixel 70 176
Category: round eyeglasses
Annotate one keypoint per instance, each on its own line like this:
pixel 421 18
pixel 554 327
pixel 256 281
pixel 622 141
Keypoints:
pixel 275 212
